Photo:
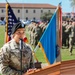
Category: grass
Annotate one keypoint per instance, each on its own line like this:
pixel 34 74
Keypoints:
pixel 2 35
pixel 65 55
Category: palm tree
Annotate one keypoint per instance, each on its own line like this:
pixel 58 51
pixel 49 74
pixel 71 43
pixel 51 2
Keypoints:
pixel 72 4
pixel 46 16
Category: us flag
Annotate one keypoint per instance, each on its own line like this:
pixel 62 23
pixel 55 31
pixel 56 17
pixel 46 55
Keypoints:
pixel 10 21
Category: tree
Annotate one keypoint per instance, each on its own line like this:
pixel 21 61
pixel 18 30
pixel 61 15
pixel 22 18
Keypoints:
pixel 72 4
pixel 46 16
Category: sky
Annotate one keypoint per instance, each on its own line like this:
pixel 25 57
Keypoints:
pixel 66 7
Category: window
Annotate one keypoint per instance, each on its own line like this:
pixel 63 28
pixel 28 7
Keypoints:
pixel 66 16
pixel 26 11
pixel 34 11
pixel 26 18
pixel 2 11
pixel 69 16
pixel 41 11
pixel 68 13
pixel 18 11
pixel 48 10
pixel 2 18
pixel 34 18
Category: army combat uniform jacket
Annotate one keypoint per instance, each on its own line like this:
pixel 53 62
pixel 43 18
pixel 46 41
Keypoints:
pixel 10 58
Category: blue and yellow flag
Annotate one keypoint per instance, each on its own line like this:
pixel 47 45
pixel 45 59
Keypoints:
pixel 49 40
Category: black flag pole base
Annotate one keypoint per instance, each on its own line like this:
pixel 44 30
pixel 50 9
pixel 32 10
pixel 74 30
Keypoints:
pixel 38 65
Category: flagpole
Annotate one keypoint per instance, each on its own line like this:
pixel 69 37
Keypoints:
pixel 33 51
pixel 36 48
pixel 6 1
pixel 59 32
pixel 6 27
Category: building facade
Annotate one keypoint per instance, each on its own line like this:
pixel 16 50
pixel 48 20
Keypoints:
pixel 69 14
pixel 27 11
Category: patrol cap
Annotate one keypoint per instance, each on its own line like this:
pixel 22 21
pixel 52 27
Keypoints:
pixel 17 26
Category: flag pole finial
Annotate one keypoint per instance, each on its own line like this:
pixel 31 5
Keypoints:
pixel 6 1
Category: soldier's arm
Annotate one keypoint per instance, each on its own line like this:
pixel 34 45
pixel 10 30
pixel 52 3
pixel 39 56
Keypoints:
pixel 68 28
pixel 72 30
pixel 33 30
pixel 4 61
pixel 32 62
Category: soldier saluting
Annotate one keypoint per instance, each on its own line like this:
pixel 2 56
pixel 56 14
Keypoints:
pixel 72 37
pixel 10 53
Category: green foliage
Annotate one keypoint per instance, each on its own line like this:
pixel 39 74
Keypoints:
pixel 72 3
pixel 46 16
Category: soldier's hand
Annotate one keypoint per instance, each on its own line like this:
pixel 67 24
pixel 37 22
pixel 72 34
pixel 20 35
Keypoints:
pixel 29 71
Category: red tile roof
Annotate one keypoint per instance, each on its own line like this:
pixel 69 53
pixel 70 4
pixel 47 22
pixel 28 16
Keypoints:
pixel 29 5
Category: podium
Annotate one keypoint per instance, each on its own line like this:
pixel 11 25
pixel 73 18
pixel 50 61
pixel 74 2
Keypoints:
pixel 49 70
pixel 68 67
pixel 59 68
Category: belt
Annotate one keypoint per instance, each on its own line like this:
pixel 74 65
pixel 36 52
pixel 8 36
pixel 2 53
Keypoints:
pixel 25 70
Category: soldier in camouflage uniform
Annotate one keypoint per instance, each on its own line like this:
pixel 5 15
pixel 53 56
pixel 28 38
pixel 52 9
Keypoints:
pixel 67 32
pixel 45 25
pixel 10 54
pixel 42 26
pixel 64 33
pixel 71 37
pixel 37 33
pixel 31 33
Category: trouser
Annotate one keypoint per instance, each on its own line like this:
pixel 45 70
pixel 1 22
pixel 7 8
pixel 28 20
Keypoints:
pixel 71 44
pixel 35 41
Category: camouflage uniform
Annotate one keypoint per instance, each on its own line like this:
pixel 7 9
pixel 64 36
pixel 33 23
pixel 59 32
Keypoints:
pixel 37 34
pixel 31 34
pixel 10 58
pixel 65 33
pixel 71 38
pixel 42 27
